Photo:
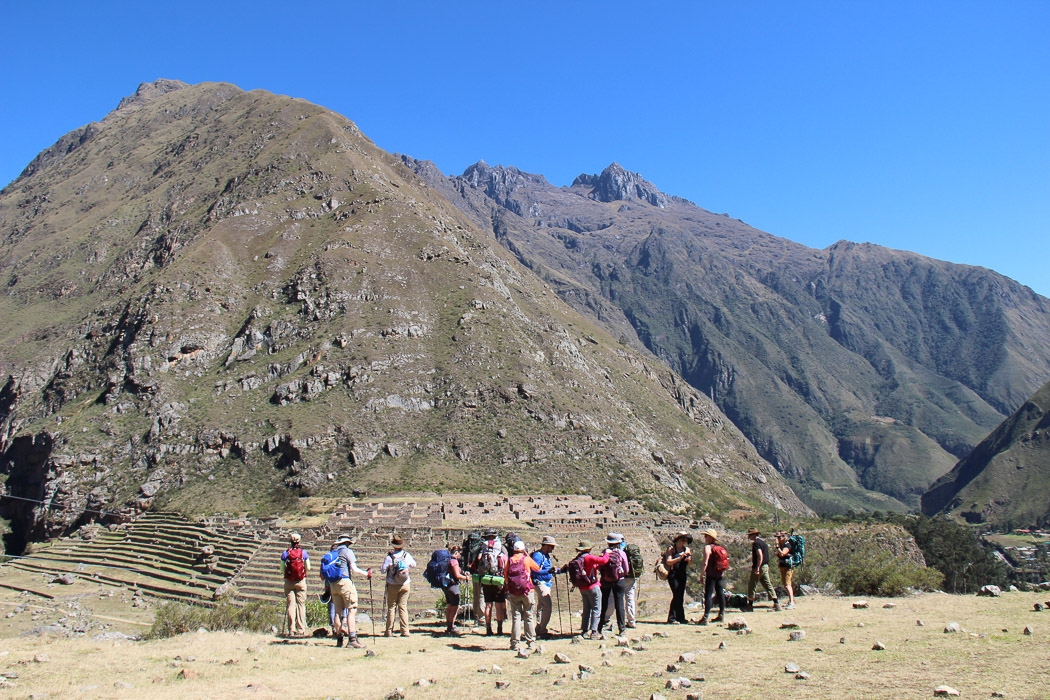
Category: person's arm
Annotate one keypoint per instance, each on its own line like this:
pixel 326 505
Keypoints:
pixel 388 561
pixel 409 561
pixel 454 568
pixel 758 559
pixel 352 562
pixel 284 561
pixel 707 558
pixel 531 564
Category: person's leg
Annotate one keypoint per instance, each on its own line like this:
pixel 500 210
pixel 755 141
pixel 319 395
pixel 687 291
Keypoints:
pixel 767 584
pixel 480 611
pixel 677 600
pixel 709 592
pixel 402 607
pixel 501 612
pixel 752 586
pixel 595 610
pixel 720 592
pixel 289 601
pixel 300 609
pixel 516 603
pixel 630 602
pixel 619 596
pixel 544 606
pixel 607 596
pixel 339 606
pixel 391 607
pixel 528 619
pixel 349 593
pixel 787 575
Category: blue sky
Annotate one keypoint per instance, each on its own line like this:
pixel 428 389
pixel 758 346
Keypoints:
pixel 920 126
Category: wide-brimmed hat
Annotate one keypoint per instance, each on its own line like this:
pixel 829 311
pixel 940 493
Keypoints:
pixel 519 546
pixel 490 533
pixel 396 542
pixel 614 538
pixel 548 539
pixel 754 532
pixel 584 546
pixel 295 537
pixel 343 539
pixel 710 533
pixel 682 534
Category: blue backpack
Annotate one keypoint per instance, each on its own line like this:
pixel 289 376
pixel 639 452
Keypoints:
pixel 436 573
pixel 331 570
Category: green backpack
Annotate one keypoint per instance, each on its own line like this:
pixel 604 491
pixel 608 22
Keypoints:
pixel 634 560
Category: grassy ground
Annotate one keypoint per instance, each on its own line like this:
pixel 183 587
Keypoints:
pixel 991 654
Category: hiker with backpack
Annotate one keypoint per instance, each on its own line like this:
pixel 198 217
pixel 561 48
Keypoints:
pixel 714 567
pixel 337 567
pixel 396 566
pixel 634 572
pixel 295 562
pixel 518 577
pixel 759 572
pixel 583 575
pixel 675 561
pixel 791 552
pixel 490 566
pixel 612 581
pixel 469 556
pixel 543 579
pixel 444 572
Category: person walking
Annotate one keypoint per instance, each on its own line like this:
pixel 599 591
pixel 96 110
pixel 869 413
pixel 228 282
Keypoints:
pixel 787 571
pixel 676 559
pixel 543 579
pixel 714 566
pixel 636 567
pixel 456 575
pixel 583 574
pixel 490 564
pixel 396 566
pixel 337 567
pixel 295 563
pixel 612 582
pixel 520 598
pixel 759 571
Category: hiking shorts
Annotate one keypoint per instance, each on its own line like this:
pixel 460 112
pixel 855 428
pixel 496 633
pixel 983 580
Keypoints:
pixel 344 595
pixel 452 594
pixel 787 574
pixel 494 594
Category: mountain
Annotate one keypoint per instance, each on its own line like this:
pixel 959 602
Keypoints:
pixel 862 373
pixel 1005 481
pixel 218 300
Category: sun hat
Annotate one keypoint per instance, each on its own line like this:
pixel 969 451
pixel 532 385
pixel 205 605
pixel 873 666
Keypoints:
pixel 584 546
pixel 295 538
pixel 710 533
pixel 614 538
pixel 519 546
pixel 343 539
pixel 753 531
pixel 396 542
pixel 490 533
pixel 548 539
pixel 683 534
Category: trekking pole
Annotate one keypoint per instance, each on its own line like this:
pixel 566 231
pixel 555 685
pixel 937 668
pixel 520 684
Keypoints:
pixel 371 607
pixel 557 597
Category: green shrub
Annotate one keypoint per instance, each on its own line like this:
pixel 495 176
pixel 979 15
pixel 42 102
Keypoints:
pixel 316 614
pixel 178 618
pixel 874 571
pixel 954 550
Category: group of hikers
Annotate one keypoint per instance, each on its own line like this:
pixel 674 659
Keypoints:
pixel 506 580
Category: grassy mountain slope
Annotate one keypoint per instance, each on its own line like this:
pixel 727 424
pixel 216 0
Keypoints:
pixel 224 299
pixel 861 373
pixel 1005 481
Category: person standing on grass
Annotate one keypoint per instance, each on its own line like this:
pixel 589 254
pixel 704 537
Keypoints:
pixel 543 578
pixel 396 566
pixel 714 567
pixel 583 574
pixel 337 572
pixel 759 571
pixel 613 582
pixel 295 563
pixel 452 598
pixel 492 561
pixel 520 598
pixel 787 572
pixel 677 558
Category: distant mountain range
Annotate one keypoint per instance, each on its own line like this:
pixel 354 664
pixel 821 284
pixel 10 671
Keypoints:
pixel 216 300
pixel 862 373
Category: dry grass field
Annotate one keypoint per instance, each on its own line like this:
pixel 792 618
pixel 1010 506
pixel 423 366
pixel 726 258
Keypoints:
pixel 991 654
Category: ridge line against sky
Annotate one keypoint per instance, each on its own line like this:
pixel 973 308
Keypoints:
pixel 918 126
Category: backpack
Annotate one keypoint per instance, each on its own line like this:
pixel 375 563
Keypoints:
pixel 797 543
pixel 488 564
pixel 617 566
pixel 578 575
pixel 331 571
pixel 719 558
pixel 399 568
pixel 634 560
pixel 519 581
pixel 295 565
pixel 436 573
pixel 471 548
pixel 509 541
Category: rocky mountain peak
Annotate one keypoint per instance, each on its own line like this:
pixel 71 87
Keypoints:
pixel 147 92
pixel 616 183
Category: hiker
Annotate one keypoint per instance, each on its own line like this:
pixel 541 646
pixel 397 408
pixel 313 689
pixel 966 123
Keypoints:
pixel 635 569
pixel 326 595
pixel 759 572
pixel 445 572
pixel 714 567
pixel 583 574
pixel 676 559
pixel 490 565
pixel 787 570
pixel 612 582
pixel 542 579
pixel 469 557
pixel 295 562
pixel 518 577
pixel 337 567
pixel 396 566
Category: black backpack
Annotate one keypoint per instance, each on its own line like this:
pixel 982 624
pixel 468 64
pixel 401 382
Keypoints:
pixel 436 572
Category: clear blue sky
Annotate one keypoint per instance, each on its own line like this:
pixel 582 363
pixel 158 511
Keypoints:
pixel 916 125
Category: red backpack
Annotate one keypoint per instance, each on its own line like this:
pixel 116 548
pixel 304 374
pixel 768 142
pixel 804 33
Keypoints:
pixel 578 575
pixel 519 582
pixel 719 558
pixel 295 565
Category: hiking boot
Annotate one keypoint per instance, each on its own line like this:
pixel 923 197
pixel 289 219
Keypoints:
pixel 488 629
pixel 776 606
pixel 453 632
pixel 702 622
pixel 405 634
pixel 631 625
pixel 789 606
pixel 499 628
pixel 339 641
pixel 354 644
pixel 720 618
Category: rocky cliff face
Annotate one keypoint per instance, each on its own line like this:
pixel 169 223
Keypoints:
pixel 861 373
pixel 218 300
pixel 1005 480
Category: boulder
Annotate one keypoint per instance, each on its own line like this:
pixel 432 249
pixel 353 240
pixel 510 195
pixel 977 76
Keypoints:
pixel 990 591
pixel 952 628
pixel 796 635
pixel 945 691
